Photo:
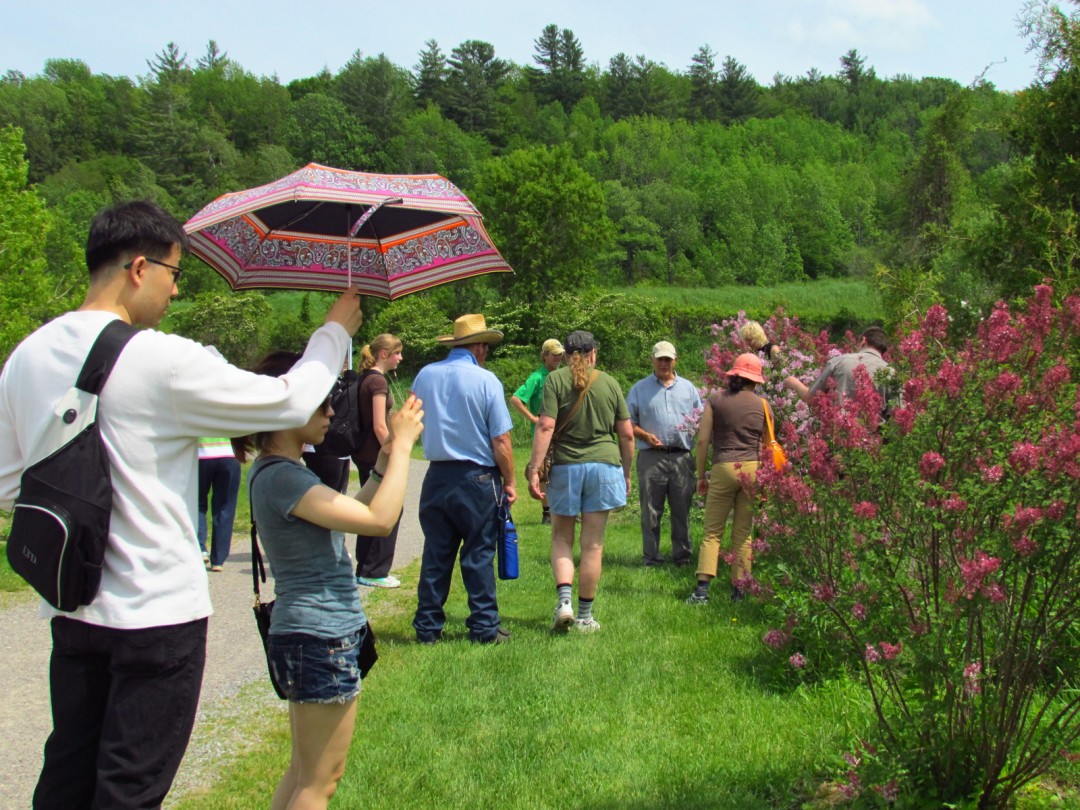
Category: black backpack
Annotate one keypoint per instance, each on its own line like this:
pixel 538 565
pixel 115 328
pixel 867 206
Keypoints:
pixel 60 524
pixel 346 435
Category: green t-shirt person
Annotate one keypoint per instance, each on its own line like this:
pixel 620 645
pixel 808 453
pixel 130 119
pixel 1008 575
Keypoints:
pixel 590 436
pixel 528 399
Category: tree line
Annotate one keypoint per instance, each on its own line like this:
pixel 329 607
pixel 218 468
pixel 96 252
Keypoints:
pixel 632 174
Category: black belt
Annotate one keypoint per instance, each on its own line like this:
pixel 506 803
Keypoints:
pixel 668 449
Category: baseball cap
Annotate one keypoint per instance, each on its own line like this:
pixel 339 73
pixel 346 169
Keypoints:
pixel 664 349
pixel 580 341
pixel 551 346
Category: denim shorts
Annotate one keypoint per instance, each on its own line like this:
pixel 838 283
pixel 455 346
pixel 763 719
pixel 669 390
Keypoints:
pixel 310 669
pixel 589 487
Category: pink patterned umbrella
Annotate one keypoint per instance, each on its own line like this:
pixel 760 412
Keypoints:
pixel 321 229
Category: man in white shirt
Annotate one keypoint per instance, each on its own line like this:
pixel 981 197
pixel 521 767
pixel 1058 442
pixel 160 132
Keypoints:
pixel 126 669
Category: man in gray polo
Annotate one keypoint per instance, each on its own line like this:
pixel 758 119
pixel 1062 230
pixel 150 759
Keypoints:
pixel 841 369
pixel 661 407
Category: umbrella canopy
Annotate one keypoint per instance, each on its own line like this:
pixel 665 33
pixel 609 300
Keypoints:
pixel 321 228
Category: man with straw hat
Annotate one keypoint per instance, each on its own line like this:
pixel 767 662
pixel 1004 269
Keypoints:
pixel 467 440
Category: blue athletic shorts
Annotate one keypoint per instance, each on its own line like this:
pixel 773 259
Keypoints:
pixel 310 669
pixel 590 487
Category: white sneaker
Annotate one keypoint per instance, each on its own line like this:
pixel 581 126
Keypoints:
pixel 589 625
pixel 389 581
pixel 564 617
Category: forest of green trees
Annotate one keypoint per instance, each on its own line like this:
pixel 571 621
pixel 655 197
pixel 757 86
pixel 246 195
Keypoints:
pixel 630 174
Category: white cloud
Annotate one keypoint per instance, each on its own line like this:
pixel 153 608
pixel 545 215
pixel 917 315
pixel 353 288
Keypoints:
pixel 910 14
pixel 879 24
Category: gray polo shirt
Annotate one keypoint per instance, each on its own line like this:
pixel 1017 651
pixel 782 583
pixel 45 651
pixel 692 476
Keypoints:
pixel 663 410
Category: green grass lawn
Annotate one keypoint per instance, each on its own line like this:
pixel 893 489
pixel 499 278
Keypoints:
pixel 809 299
pixel 667 706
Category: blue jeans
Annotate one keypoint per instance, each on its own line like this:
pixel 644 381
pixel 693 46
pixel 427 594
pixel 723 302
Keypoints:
pixel 222 475
pixel 458 510
pixel 123 706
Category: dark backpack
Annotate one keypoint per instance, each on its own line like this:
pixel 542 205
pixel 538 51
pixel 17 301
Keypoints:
pixel 346 435
pixel 60 524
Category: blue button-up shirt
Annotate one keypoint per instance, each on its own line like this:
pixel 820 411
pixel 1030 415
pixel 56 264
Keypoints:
pixel 663 410
pixel 464 409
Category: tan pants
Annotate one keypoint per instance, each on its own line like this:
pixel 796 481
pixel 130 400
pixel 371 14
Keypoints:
pixel 727 497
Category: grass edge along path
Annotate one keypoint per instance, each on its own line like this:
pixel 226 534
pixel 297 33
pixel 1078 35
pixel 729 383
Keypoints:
pixel 667 706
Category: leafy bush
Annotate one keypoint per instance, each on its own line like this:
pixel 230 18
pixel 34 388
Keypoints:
pixel 936 556
pixel 235 324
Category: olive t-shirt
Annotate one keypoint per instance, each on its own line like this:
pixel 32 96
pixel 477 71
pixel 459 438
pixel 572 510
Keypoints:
pixel 590 436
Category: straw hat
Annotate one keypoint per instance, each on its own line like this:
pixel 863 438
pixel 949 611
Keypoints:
pixel 471 329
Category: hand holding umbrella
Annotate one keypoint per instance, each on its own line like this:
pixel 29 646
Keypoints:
pixel 346 311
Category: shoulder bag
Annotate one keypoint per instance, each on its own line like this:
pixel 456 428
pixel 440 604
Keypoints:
pixel 779 458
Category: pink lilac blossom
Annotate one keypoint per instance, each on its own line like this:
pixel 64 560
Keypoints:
pixel 936 322
pixel 1055 377
pixel 1023 517
pixel 865 510
pixel 871 654
pixel 1061 452
pixel 1024 457
pixel 971 678
pixel 1025 546
pixel 823 592
pixel 890 791
pixel 858 611
pixel 931 464
pixel 991 473
pixel 797 660
pixel 1000 337
pixel 974 572
pixel 890 651
pixel 949 380
pixel 775 638
pixel 954 503
pixel 904 419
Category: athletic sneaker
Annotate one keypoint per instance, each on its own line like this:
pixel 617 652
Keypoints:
pixel 564 617
pixel 206 557
pixel 697 599
pixel 389 581
pixel 589 625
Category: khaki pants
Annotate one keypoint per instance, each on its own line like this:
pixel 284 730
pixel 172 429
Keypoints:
pixel 727 497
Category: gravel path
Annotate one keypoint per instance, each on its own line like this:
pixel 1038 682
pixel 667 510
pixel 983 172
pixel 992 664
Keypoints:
pixel 234 660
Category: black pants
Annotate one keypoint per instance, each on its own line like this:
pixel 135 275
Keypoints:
pixel 123 706
pixel 375 555
pixel 333 472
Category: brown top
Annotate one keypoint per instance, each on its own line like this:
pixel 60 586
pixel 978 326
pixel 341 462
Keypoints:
pixel 738 421
pixel 373 383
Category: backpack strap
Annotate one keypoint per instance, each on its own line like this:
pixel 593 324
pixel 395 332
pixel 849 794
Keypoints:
pixel 103 356
pixel 257 568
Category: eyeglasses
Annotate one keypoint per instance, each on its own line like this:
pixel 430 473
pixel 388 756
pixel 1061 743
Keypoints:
pixel 172 268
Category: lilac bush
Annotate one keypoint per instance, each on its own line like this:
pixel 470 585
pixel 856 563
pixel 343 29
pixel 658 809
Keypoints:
pixel 938 555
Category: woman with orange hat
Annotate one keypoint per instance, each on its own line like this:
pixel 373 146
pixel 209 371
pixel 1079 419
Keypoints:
pixel 733 425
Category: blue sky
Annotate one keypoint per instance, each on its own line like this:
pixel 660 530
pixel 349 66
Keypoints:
pixel 958 39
